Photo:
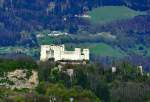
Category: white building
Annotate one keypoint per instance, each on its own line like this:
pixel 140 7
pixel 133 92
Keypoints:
pixel 58 52
pixel 114 69
pixel 57 33
pixel 141 69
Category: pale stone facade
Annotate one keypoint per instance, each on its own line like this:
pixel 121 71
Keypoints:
pixel 58 52
pixel 114 69
pixel 141 69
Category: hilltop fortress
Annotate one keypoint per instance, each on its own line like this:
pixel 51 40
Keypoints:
pixel 58 53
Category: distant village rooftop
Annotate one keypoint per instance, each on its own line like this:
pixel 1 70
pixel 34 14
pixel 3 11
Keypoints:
pixel 58 53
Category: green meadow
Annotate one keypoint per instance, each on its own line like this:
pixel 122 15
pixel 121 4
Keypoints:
pixel 103 49
pixel 100 49
pixel 108 14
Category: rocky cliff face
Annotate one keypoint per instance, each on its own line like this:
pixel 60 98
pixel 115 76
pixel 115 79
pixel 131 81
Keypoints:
pixel 20 79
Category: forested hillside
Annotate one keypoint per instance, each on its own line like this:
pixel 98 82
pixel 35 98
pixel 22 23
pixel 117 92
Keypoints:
pixel 87 83
pixel 20 17
pixel 124 31
pixel 117 33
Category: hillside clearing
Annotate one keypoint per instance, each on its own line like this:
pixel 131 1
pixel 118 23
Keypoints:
pixel 108 14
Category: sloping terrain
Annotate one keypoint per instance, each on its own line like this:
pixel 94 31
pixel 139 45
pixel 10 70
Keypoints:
pixel 30 15
pixel 23 24
pixel 109 14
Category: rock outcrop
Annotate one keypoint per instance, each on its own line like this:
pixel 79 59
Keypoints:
pixel 20 79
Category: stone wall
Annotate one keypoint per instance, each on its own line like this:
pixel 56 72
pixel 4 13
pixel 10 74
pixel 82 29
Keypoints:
pixel 59 53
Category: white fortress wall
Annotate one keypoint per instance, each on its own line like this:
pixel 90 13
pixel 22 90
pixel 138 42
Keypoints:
pixel 58 53
pixel 86 54
pixel 72 55
pixel 43 56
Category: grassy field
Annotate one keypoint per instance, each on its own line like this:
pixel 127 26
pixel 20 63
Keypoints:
pixel 106 50
pixel 28 51
pixel 46 40
pixel 112 13
pixel 100 49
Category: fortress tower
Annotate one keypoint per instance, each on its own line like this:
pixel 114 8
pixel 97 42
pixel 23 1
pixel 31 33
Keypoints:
pixel 58 52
